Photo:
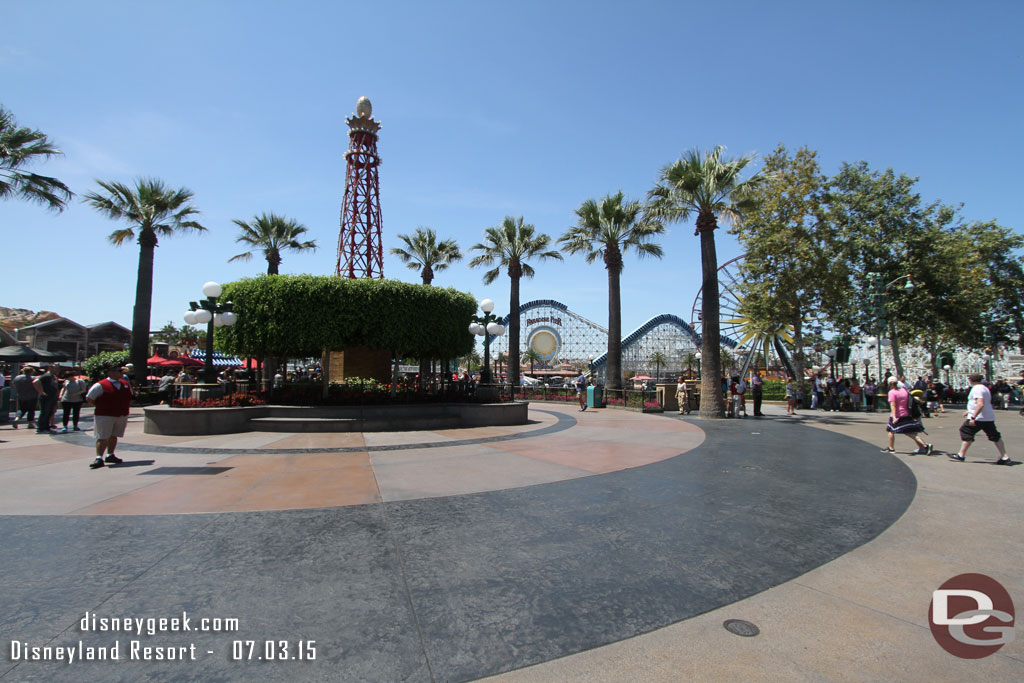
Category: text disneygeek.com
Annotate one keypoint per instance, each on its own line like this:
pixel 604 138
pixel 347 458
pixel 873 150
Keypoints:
pixel 145 650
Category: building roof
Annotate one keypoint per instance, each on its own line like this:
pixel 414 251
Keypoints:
pixel 109 322
pixel 51 322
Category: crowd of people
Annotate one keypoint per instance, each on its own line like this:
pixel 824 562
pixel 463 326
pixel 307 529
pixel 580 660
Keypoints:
pixel 37 396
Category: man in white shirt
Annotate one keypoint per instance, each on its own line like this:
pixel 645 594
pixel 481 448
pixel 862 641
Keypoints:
pixel 980 418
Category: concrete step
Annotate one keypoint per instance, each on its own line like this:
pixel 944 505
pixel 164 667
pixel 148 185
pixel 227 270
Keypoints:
pixel 303 425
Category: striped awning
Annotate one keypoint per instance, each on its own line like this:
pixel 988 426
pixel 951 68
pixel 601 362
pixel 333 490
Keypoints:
pixel 220 360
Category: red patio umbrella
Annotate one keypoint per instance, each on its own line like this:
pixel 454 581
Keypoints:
pixel 155 360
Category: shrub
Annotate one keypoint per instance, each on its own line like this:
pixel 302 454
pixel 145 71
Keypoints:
pixel 96 366
pixel 300 315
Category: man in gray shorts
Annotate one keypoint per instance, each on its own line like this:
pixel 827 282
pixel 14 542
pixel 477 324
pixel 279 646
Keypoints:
pixel 112 398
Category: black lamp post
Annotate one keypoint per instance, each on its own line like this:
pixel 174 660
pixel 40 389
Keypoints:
pixel 486 327
pixel 879 293
pixel 214 315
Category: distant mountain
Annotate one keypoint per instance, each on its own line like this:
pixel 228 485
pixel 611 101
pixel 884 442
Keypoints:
pixel 13 318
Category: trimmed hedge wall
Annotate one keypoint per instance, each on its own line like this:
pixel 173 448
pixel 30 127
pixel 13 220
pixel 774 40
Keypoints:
pixel 300 315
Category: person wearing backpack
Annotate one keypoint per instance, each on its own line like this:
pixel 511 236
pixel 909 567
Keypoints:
pixel 902 420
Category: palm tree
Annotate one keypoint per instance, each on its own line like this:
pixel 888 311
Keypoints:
pixel 510 245
pixel 152 209
pixel 710 186
pixel 531 356
pixel 606 230
pixel 18 148
pixel 423 253
pixel 169 333
pixel 659 359
pixel 690 359
pixel 272 234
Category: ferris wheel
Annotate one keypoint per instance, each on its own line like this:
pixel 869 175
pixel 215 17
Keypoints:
pixel 737 331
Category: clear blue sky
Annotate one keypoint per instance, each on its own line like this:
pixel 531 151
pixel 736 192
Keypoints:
pixel 488 110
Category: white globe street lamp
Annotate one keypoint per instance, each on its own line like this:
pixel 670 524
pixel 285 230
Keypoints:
pixel 212 314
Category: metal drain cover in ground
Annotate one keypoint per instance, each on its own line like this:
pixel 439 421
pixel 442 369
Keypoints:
pixel 741 628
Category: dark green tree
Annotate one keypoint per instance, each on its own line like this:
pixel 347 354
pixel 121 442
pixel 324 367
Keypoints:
pixel 424 253
pixel 152 210
pixel 710 186
pixel 606 230
pixel 510 245
pixel 788 273
pixel 20 147
pixel 271 234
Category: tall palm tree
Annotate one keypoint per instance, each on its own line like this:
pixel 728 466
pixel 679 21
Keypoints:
pixel 690 359
pixel 151 209
pixel 606 230
pixel 705 184
pixel 18 148
pixel 424 253
pixel 272 234
pixel 659 359
pixel 531 356
pixel 511 244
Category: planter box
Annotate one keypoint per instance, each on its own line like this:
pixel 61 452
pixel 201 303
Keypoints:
pixel 204 421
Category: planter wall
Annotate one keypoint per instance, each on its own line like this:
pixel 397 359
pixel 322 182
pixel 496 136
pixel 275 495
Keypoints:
pixel 204 421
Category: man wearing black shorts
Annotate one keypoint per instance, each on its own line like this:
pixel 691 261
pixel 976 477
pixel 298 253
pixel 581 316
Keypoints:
pixel 980 418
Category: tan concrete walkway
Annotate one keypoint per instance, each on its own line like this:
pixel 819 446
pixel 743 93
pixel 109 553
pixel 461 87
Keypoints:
pixel 41 474
pixel 864 616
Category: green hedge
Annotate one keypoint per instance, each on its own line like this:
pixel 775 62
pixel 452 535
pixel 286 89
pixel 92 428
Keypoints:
pixel 299 315
pixel 96 366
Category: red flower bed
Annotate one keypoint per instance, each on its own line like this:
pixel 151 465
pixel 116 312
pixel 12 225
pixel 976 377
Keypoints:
pixel 233 401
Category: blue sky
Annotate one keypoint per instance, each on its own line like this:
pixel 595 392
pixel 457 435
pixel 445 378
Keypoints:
pixel 488 109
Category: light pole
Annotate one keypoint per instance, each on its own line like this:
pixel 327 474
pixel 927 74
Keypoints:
pixel 214 315
pixel 881 299
pixel 947 368
pixel 485 326
pixel 697 356
pixel 831 353
pixel 590 364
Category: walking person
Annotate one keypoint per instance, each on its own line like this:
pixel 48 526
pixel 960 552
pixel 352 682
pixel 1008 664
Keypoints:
pixel 682 397
pixel 790 397
pixel 581 391
pixel 27 396
pixel 980 418
pixel 757 387
pixel 48 387
pixel 166 387
pixel 72 396
pixel 902 421
pixel 112 398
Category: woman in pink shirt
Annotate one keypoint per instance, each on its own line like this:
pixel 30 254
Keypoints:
pixel 902 422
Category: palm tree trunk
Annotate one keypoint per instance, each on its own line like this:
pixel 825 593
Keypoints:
pixel 513 333
pixel 711 403
pixel 613 379
pixel 143 305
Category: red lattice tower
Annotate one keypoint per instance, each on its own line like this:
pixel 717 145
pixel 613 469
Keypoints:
pixel 359 247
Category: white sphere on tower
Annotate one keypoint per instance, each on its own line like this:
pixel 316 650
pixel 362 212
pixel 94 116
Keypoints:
pixel 363 107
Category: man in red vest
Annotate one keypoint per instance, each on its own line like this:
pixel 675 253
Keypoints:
pixel 112 398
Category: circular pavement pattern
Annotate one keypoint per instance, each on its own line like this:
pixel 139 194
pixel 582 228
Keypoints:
pixel 453 588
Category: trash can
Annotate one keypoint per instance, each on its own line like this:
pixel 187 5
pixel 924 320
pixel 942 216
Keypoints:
pixel 595 397
pixel 5 404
